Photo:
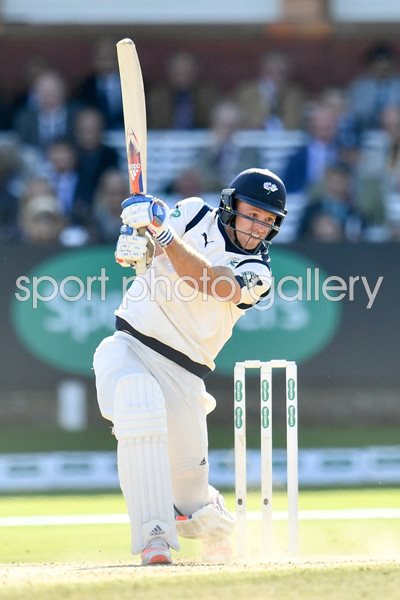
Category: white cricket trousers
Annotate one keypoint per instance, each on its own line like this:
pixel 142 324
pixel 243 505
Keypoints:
pixel 187 404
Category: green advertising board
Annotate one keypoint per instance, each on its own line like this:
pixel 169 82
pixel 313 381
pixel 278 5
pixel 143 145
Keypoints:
pixel 296 320
pixel 64 331
pixel 80 289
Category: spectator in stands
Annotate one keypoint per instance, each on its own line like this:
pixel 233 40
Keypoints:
pixel 323 227
pixel 188 184
pixel 272 101
pixel 306 167
pixel 101 89
pixel 5 112
pixel 41 221
pixel 375 89
pixel 348 134
pixel 63 175
pixel 10 189
pixel 379 179
pixel 25 97
pixel 94 156
pixel 224 157
pixel 113 186
pixel 51 115
pixel 41 214
pixel 331 214
pixel 38 186
pixel 185 99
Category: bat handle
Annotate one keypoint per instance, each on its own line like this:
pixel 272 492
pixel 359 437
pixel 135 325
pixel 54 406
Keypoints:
pixel 141 266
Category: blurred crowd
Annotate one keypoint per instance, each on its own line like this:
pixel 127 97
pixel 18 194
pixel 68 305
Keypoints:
pixel 61 182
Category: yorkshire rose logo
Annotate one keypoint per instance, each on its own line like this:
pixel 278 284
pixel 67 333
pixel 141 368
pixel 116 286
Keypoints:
pixel 270 187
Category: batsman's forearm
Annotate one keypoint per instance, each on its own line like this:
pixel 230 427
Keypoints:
pixel 215 281
pixel 186 261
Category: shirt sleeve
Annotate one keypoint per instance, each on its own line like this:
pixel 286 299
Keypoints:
pixel 184 212
pixel 254 277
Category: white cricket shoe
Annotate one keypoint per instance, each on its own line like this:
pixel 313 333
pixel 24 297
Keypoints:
pixel 156 552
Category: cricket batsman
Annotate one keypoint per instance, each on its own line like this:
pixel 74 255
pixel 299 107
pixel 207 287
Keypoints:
pixel 210 266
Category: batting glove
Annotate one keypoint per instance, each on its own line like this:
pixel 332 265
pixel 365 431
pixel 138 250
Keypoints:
pixel 136 211
pixel 134 250
pixel 151 212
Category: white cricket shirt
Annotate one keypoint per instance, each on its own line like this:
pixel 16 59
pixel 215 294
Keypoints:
pixel 181 323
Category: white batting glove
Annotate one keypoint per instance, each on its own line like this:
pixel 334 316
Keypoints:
pixel 151 212
pixel 159 227
pixel 136 211
pixel 131 248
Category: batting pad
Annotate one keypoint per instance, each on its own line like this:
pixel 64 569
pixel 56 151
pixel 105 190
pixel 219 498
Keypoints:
pixel 140 423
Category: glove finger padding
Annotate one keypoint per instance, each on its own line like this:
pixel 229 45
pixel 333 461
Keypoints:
pixel 136 211
pixel 131 247
pixel 149 212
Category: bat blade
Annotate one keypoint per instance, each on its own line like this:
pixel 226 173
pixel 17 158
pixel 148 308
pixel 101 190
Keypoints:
pixel 134 107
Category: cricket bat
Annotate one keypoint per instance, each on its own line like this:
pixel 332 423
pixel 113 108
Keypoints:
pixel 134 108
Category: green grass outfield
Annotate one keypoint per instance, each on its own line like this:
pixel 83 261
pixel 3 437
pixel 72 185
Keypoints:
pixel 343 559
pixel 49 440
